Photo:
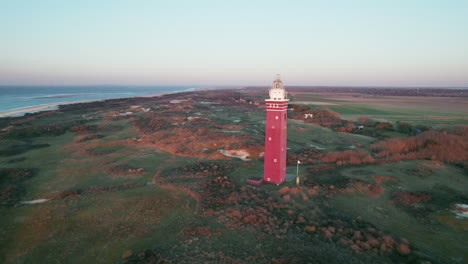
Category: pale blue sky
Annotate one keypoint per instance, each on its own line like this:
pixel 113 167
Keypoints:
pixel 201 42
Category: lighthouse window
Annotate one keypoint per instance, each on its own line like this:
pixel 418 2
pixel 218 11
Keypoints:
pixel 276 117
pixel 269 138
pixel 275 160
pixel 273 127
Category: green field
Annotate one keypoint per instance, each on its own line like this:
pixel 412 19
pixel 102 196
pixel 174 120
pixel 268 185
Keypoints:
pixel 92 228
pixel 445 184
pixel 418 110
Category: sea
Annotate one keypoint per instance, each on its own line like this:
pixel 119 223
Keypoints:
pixel 17 97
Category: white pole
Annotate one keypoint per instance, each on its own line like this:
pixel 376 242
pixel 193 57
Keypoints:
pixel 297 173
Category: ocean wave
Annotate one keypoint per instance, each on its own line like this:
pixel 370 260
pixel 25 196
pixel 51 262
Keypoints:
pixel 55 96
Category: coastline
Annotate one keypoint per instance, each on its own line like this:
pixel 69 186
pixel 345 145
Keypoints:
pixel 53 106
pixel 25 110
pixel 39 108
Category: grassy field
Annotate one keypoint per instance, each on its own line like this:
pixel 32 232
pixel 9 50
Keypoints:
pixel 120 192
pixel 92 228
pixel 428 111
pixel 302 135
pixel 445 184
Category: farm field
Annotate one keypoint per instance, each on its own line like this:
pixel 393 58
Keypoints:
pixel 432 111
pixel 163 180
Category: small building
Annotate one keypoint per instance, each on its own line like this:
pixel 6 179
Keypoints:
pixel 255 180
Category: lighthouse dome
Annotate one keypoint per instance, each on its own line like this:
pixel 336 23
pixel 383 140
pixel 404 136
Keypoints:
pixel 277 91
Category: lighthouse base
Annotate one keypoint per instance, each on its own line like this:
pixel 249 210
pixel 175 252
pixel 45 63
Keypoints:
pixel 275 180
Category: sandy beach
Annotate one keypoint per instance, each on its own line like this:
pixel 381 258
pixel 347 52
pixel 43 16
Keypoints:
pixel 39 108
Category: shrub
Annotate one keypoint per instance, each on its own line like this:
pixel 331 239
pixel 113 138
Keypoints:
pixel 434 145
pixel 353 157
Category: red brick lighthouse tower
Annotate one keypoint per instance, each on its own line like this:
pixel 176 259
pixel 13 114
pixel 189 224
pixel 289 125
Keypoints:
pixel 276 134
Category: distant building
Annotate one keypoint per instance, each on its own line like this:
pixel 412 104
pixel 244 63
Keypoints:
pixel 276 134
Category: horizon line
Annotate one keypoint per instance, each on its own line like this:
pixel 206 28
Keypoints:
pixel 232 86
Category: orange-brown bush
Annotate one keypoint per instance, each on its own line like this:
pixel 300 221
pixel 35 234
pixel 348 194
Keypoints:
pixel 373 190
pixel 384 125
pixel 353 157
pixel 434 145
pixel 409 199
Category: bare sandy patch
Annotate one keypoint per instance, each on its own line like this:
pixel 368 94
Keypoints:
pixel 236 153
pixel 37 201
pixel 434 164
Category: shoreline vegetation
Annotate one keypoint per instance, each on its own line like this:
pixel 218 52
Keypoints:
pixel 162 179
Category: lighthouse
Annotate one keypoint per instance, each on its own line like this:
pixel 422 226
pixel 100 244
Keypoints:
pixel 276 134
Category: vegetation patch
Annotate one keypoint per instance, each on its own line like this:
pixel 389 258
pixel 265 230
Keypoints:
pixel 101 151
pixel 90 137
pixel 34 131
pixel 126 171
pixel 446 146
pixel 11 184
pixel 13 150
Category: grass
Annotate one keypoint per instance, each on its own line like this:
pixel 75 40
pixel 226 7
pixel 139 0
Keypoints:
pixel 441 183
pixel 313 97
pixel 347 109
pixel 416 111
pixel 62 168
pixel 315 136
pixel 93 228
pixel 127 131
pixel 46 160
pixel 242 173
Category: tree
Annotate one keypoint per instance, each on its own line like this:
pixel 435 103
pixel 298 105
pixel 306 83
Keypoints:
pixel 404 127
